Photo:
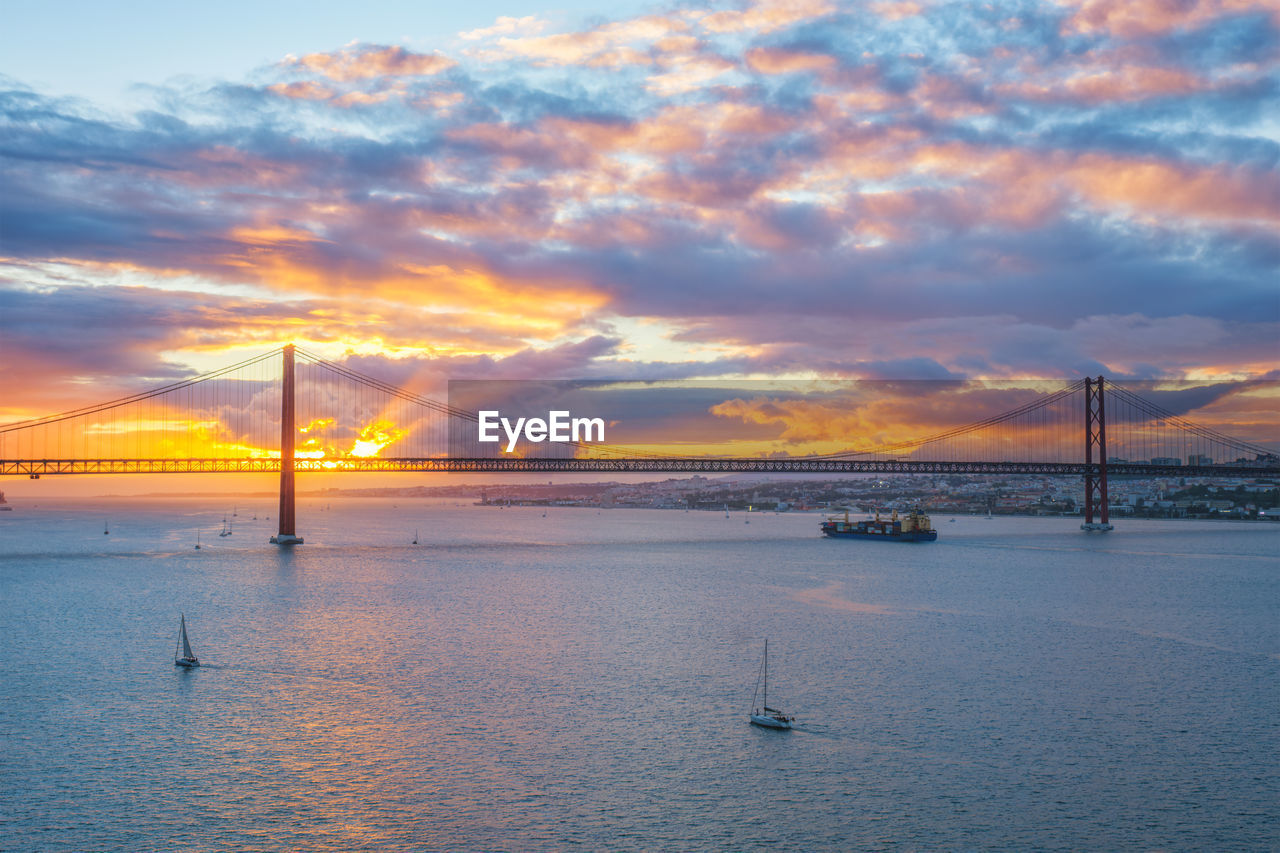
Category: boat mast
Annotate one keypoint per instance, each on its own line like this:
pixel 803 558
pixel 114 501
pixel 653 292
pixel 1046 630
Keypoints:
pixel 766 676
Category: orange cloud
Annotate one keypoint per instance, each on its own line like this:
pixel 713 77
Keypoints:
pixel 353 99
pixel 967 182
pixel 365 61
pixel 894 420
pixel 307 90
pixel 1131 18
pixel 686 73
pixel 1132 84
pixel 473 297
pixel 606 45
pixel 1108 79
pixel 765 16
pixel 270 235
pixel 1022 187
pixel 834 426
pixel 773 60
pixel 948 99
pixel 374 437
pixel 1156 188
pixel 672 130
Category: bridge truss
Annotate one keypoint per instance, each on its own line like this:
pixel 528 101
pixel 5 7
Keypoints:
pixel 617 465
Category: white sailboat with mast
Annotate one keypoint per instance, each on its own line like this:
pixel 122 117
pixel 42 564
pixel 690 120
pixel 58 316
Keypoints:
pixel 188 658
pixel 762 714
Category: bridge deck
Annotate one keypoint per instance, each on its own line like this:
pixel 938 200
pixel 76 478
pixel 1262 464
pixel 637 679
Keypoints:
pixel 47 467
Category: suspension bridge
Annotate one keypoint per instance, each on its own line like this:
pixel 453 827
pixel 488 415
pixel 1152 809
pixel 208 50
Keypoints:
pixel 289 411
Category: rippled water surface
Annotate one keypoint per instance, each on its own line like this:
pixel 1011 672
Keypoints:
pixel 582 680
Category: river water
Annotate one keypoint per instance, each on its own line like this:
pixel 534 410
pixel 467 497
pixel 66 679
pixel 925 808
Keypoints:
pixel 582 681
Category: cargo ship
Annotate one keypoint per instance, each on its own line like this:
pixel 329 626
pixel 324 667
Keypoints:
pixel 914 527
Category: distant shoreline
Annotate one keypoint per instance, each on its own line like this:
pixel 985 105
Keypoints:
pixel 545 506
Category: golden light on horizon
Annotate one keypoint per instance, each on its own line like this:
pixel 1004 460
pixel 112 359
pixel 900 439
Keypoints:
pixel 376 436
pixel 317 423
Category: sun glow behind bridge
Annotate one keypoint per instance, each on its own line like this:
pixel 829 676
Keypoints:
pixel 369 442
pixel 375 437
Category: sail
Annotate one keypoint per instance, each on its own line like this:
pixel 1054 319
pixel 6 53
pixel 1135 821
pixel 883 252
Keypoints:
pixel 770 717
pixel 186 646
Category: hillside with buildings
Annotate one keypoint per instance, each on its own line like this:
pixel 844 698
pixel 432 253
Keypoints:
pixel 1166 497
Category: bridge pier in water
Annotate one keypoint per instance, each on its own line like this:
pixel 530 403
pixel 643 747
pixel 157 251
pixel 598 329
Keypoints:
pixel 286 534
pixel 1095 477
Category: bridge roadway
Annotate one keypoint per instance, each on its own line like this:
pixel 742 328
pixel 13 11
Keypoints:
pixel 35 468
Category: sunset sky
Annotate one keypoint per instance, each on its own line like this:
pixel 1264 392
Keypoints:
pixel 797 188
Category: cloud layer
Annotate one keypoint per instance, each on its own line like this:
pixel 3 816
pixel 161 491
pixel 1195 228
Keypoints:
pixel 801 187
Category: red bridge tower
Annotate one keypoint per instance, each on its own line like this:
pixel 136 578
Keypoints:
pixel 1095 476
pixel 286 535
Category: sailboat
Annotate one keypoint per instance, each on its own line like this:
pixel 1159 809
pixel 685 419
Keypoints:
pixel 188 658
pixel 197 540
pixel 415 537
pixel 762 714
pixel 105 531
